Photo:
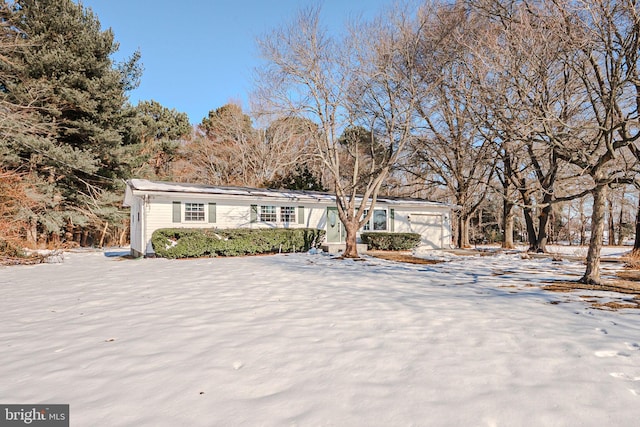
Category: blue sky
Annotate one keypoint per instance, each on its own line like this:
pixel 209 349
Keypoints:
pixel 199 55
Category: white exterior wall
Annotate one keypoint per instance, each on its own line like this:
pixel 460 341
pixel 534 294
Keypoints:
pixel 153 209
pixel 413 219
pixel 230 213
pixel 136 224
pixel 418 219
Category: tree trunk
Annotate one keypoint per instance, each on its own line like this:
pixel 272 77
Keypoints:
pixel 103 234
pixel 32 232
pixel 611 238
pixel 636 243
pixel 123 237
pixel 583 226
pixel 621 236
pixel 592 273
pixel 507 224
pixel 84 238
pixel 351 247
pixel 463 231
pixel 543 222
pixel 531 229
pixel 569 232
pixel 527 212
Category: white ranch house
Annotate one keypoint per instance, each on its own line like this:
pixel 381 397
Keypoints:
pixel 156 205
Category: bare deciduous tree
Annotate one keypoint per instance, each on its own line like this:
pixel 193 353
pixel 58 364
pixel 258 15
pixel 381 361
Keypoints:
pixel 588 114
pixel 364 79
pixel 605 37
pixel 228 150
pixel 452 151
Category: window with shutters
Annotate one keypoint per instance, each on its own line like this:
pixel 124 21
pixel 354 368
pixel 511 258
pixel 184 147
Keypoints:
pixel 268 214
pixel 194 212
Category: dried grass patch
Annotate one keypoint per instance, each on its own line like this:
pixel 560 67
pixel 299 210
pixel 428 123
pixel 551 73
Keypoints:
pixel 629 274
pixel 617 305
pixel 401 257
pixel 56 256
pixel 621 286
pixel 628 288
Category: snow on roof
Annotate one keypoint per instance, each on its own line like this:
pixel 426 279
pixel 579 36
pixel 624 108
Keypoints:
pixel 145 185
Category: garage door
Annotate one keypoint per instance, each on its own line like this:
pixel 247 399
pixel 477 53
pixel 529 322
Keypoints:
pixel 430 227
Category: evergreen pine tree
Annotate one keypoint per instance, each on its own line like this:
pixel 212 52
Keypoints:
pixel 157 132
pixel 63 75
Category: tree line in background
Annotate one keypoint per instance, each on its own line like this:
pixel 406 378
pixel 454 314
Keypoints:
pixel 531 105
pixel 69 135
pixel 524 114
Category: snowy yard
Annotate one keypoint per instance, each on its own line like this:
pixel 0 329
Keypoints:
pixel 309 340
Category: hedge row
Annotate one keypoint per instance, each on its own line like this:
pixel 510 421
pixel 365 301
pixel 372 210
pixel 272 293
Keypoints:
pixel 189 242
pixel 391 241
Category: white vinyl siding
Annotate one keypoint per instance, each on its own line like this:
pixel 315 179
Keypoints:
pixel 413 219
pixel 229 214
pixel 226 212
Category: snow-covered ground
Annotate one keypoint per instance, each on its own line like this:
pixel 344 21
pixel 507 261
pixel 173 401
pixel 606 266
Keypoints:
pixel 308 340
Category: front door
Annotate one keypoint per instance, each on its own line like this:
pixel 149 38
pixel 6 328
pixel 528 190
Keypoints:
pixel 335 229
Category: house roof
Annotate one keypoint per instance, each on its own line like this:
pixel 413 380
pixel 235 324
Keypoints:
pixel 146 186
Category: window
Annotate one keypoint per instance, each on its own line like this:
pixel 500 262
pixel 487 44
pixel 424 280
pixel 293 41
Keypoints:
pixel 268 214
pixel 366 226
pixel 194 211
pixel 379 220
pixel 287 214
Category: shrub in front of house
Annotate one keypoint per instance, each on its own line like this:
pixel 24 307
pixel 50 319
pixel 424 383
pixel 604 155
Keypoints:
pixel 192 243
pixel 390 241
